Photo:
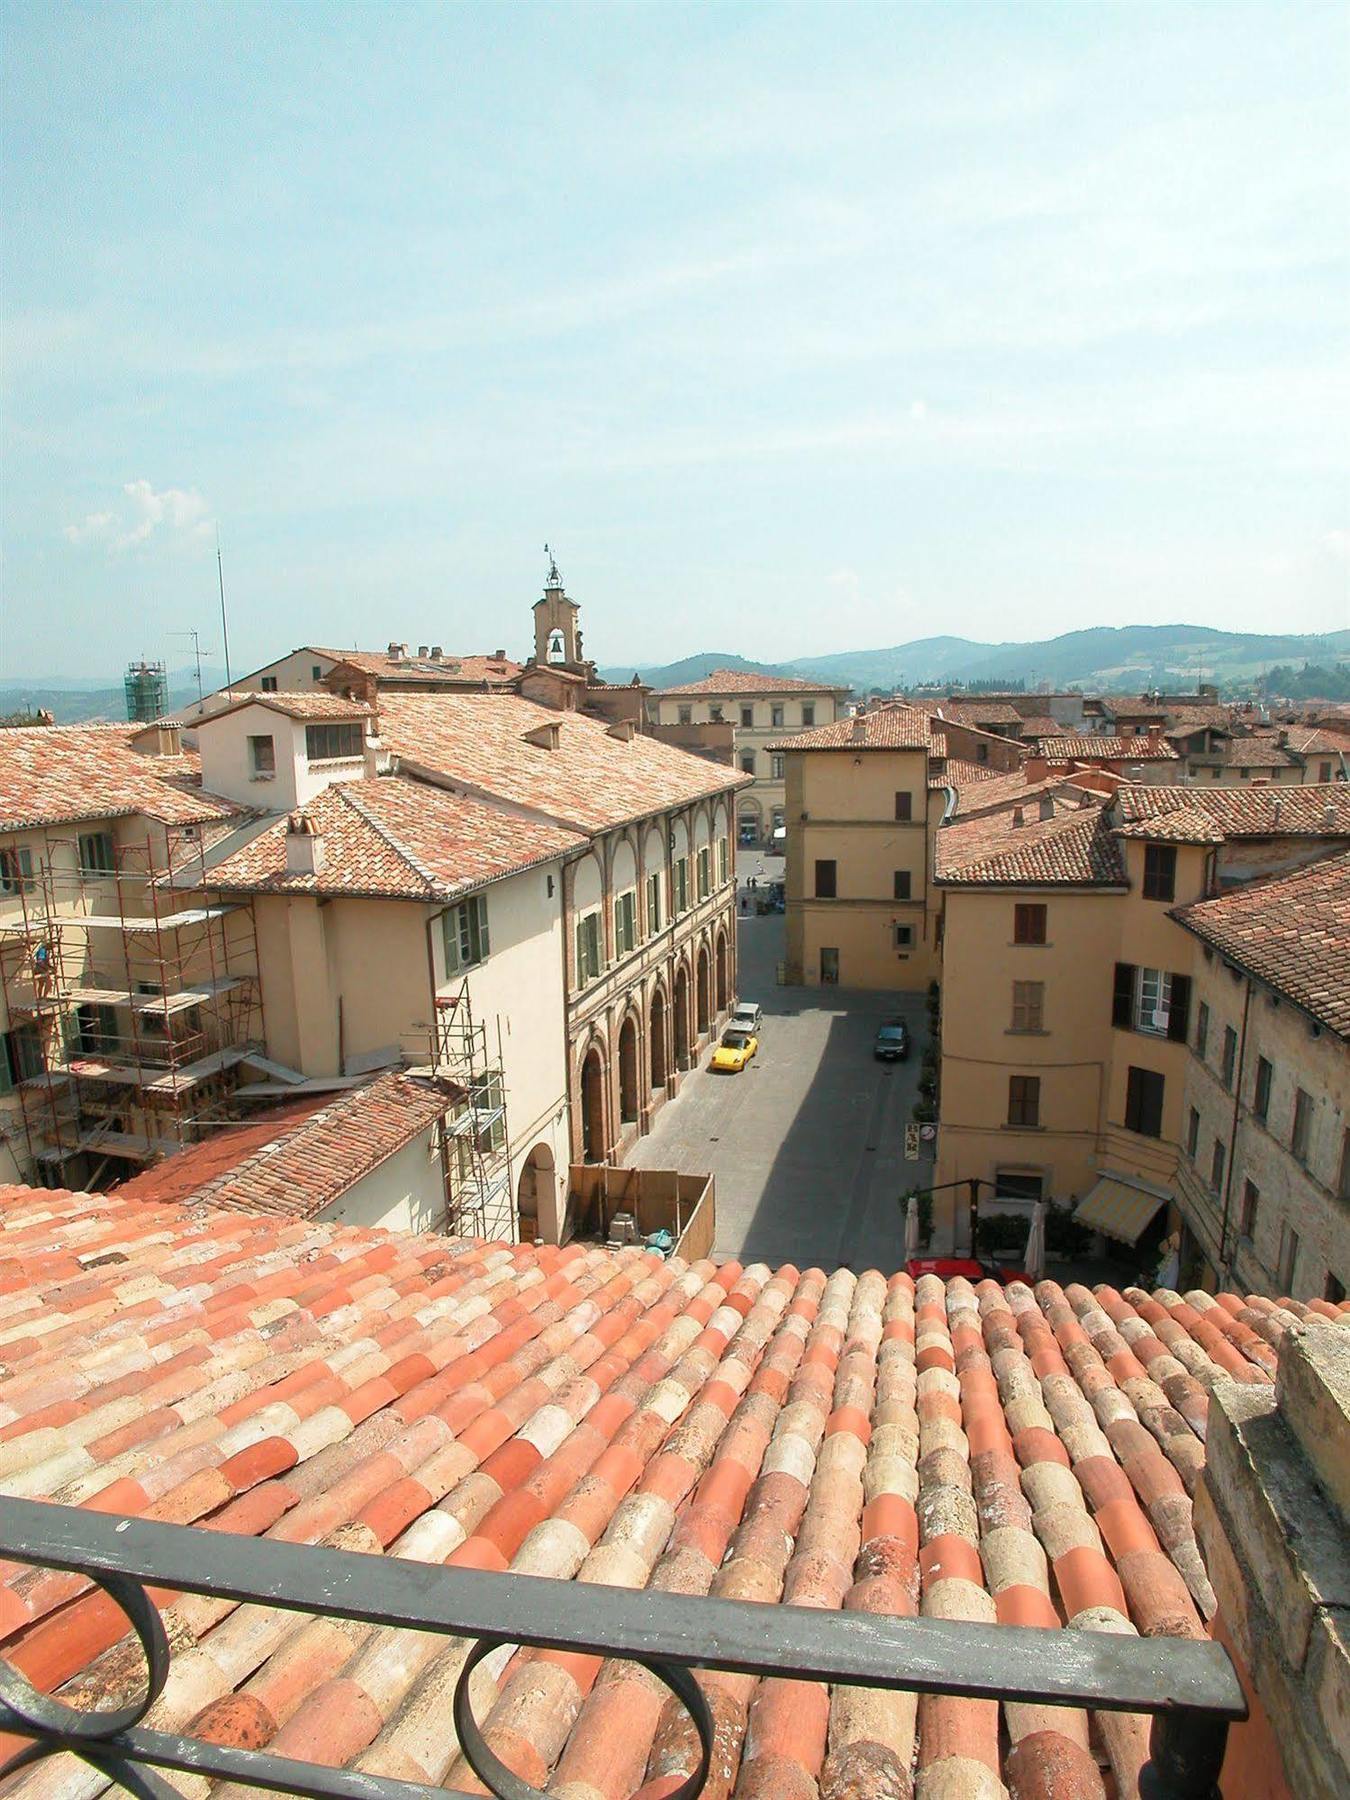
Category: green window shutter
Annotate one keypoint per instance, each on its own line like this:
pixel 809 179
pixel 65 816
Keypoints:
pixel 482 926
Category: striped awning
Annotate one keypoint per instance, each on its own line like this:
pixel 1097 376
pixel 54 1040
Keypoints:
pixel 1120 1208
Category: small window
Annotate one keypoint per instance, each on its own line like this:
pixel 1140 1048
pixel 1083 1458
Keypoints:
pixel 747 718
pixel 1028 924
pixel 24 1060
pixel 466 934
pixel 904 937
pixel 904 806
pixel 982 753
pixel 1144 1102
pixel 1192 1133
pixel 1228 1062
pixel 268 684
pixel 1302 1130
pixel 315 672
pixel 776 767
pixel 1216 1163
pixel 826 878
pixel 328 743
pixel 1251 1199
pixel 1152 1000
pixel 16 870
pixel 902 881
pixel 96 853
pixel 1018 1184
pixel 1028 1002
pixel 704 873
pixel 1160 872
pixel 625 923
pixel 808 713
pixel 262 758
pixel 96 1029
pixel 715 715
pixel 1024 1100
pixel 1202 1030
pixel 686 715
pixel 775 716
pixel 1261 1096
pixel 1289 1247
pixel 748 762
pixel 588 948
pixel 653 903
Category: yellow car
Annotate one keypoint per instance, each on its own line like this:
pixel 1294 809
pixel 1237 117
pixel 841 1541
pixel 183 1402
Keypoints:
pixel 734 1051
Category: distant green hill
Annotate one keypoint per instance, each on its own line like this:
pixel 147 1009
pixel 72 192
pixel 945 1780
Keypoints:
pixel 692 668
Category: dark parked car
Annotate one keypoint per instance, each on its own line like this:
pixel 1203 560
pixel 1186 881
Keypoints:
pixel 892 1042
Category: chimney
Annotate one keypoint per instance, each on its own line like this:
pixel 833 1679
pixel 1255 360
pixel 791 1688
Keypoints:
pixel 304 846
pixel 1047 806
pixel 1019 817
pixel 437 652
pixel 1328 814
pixel 499 656
pixel 859 728
pixel 1036 768
pixel 422 651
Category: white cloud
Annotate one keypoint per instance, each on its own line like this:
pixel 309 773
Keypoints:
pixel 1337 544
pixel 173 513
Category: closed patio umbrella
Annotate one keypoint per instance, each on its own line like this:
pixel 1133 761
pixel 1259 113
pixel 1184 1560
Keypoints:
pixel 1034 1260
pixel 912 1228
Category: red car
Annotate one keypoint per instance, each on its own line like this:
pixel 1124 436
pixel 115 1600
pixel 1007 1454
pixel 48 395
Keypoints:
pixel 974 1269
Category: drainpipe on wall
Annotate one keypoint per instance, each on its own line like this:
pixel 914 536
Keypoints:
pixel 1224 1258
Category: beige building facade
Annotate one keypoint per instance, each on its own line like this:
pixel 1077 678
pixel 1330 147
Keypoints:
pixel 760 709
pixel 1264 1176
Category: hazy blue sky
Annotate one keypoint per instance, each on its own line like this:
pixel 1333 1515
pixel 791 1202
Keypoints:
pixel 791 328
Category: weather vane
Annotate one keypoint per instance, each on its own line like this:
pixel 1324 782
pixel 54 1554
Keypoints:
pixel 555 579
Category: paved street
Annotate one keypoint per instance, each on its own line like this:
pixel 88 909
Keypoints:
pixel 807 1145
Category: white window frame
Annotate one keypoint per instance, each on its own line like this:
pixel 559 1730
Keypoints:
pixel 1152 1008
pixel 466 937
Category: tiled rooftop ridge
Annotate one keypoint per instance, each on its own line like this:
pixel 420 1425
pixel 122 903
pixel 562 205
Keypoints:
pixel 854 1441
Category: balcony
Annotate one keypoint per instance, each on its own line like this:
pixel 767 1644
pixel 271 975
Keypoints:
pixel 1189 1687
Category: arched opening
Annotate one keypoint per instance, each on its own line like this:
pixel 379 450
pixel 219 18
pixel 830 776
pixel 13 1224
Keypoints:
pixel 682 1016
pixel 701 991
pixel 593 1143
pixel 723 990
pixel 656 1033
pixel 628 1071
pixel 536 1194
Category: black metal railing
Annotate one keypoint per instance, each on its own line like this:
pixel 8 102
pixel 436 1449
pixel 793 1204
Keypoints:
pixel 1190 1688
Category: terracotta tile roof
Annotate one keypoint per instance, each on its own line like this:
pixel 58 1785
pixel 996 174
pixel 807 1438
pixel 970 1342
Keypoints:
pixel 957 773
pixel 978 712
pixel 1291 932
pixel 1091 747
pixel 1253 753
pixel 309 1161
pixel 491 671
pixel 397 839
pixel 1316 810
pixel 998 789
pixel 1038 725
pixel 305 703
pixel 593 780
pixel 747 681
pixel 1314 740
pixel 894 727
pixel 1184 825
pixel 1076 846
pixel 58 774
pixel 178 1177
pixel 850 1441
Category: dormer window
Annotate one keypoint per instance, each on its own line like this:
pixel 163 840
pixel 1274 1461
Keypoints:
pixel 331 743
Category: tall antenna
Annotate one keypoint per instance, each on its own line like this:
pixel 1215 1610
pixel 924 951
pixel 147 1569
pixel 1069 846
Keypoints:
pixel 224 622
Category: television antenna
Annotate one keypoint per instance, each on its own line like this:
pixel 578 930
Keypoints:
pixel 197 652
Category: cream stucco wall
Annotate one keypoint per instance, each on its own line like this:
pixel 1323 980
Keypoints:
pixel 841 808
pixel 1303 1195
pixel 405 1193
pixel 346 979
pixel 293 674
pixel 226 767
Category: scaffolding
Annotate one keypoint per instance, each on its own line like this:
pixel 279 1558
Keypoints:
pixel 128 1011
pixel 147 691
pixel 475 1144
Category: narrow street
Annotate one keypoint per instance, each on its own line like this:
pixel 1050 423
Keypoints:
pixel 807 1144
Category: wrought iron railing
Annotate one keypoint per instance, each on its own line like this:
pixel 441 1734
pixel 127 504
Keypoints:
pixel 1190 1688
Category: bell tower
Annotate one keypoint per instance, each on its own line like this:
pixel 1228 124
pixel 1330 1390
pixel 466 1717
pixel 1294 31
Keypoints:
pixel 557 631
